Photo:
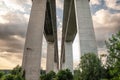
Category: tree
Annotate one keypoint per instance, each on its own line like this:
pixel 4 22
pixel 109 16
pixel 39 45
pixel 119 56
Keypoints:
pixel 49 76
pixel 15 74
pixel 8 77
pixel 64 75
pixel 77 75
pixel 17 70
pixel 113 58
pixel 90 67
pixel 1 74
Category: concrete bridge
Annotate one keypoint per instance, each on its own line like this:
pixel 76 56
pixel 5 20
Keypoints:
pixel 76 19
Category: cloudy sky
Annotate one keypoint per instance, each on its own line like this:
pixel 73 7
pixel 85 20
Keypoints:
pixel 14 16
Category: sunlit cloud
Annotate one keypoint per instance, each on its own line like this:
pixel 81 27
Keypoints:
pixel 9 60
pixel 105 24
pixel 13 5
pixel 95 2
pixel 16 5
pixel 59 4
pixel 19 38
pixel 113 4
pixel 3 21
pixel 103 18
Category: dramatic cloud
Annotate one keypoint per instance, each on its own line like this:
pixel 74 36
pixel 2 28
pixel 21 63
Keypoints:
pixel 9 60
pixel 105 24
pixel 13 32
pixel 59 4
pixel 113 4
pixel 13 26
pixel 16 5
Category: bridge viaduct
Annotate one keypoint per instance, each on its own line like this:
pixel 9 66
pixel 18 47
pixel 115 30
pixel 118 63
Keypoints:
pixel 76 19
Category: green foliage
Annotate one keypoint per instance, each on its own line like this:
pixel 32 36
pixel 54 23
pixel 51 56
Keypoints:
pixel 15 74
pixel 1 74
pixel 17 70
pixel 18 77
pixel 42 71
pixel 90 67
pixel 113 58
pixel 8 77
pixel 61 75
pixel 64 75
pixel 43 77
pixel 49 76
pixel 11 77
pixel 113 48
pixel 77 75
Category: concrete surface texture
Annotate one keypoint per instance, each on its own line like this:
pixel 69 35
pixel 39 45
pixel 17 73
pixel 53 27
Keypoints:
pixel 85 27
pixel 77 19
pixel 42 22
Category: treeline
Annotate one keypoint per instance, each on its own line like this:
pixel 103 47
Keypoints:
pixel 15 74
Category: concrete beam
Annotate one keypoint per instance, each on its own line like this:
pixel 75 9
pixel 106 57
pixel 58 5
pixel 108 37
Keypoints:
pixel 71 28
pixel 85 27
pixel 48 27
pixel 65 19
pixel 33 43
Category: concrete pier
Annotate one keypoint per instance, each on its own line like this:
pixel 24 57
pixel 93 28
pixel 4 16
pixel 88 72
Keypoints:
pixel 65 19
pixel 50 32
pixel 85 27
pixel 68 35
pixel 42 22
pixel 77 19
pixel 33 43
pixel 50 57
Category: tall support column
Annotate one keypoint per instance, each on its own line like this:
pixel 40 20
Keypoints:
pixel 33 44
pixel 85 27
pixel 50 57
pixel 65 19
pixel 53 12
pixel 68 64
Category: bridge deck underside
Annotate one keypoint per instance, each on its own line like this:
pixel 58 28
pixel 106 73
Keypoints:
pixel 69 26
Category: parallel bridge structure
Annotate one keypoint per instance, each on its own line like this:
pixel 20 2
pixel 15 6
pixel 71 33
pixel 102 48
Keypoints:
pixel 76 19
